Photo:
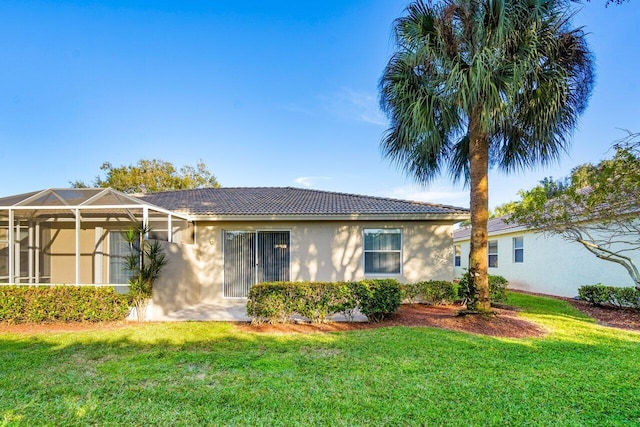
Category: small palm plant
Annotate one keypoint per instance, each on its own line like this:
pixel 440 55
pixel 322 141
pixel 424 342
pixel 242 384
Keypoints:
pixel 145 262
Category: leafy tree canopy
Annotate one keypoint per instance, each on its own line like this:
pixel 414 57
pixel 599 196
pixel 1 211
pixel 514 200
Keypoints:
pixel 596 206
pixel 150 176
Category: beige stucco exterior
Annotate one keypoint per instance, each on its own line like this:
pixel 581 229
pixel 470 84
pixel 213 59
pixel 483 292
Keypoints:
pixel 320 251
pixel 551 264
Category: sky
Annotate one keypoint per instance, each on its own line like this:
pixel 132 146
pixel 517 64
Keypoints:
pixel 266 93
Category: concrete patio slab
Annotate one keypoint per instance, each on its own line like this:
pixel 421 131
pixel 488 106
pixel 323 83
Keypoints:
pixel 226 311
pixel 223 312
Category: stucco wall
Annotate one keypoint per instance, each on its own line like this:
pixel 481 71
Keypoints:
pixel 551 265
pixel 320 251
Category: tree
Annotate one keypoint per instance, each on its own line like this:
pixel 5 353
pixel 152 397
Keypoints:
pixel 151 176
pixel 597 207
pixel 475 84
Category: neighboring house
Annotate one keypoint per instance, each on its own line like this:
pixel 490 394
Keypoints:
pixel 221 241
pixel 534 262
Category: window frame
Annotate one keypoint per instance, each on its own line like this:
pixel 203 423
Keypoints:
pixel 516 249
pixel 494 254
pixel 399 251
pixel 457 255
pixel 109 267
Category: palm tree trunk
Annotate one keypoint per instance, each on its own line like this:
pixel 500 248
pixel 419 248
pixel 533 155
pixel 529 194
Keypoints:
pixel 479 182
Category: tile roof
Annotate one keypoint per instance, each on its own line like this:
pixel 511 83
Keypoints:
pixel 494 225
pixel 255 201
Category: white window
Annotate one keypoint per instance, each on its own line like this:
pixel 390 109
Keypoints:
pixel 457 255
pixel 518 249
pixel 382 251
pixel 493 253
pixel 119 249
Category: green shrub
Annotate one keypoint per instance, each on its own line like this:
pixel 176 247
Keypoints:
pixel 411 292
pixel 378 298
pixel 438 292
pixel 28 304
pixel 599 295
pixel 273 302
pixel 497 289
pixel 319 300
pixel 595 295
pixel 350 302
pixel 278 302
pixel 628 297
pixel 429 292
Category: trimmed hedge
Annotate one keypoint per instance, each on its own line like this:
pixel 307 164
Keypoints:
pixel 434 292
pixel 278 302
pixel 378 298
pixel 30 304
pixel 599 295
pixel 497 288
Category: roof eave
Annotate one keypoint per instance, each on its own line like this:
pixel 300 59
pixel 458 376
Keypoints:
pixel 453 217
pixel 515 229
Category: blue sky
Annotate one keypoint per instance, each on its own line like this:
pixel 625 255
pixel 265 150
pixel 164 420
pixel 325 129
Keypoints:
pixel 266 93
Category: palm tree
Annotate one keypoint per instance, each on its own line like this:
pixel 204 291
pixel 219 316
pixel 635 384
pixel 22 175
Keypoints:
pixel 475 84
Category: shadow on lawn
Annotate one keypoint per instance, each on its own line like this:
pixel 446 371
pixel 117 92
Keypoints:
pixel 570 331
pixel 217 367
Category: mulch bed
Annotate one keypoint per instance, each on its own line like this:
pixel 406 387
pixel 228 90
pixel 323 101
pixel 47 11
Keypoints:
pixel 609 316
pixel 503 324
pixel 39 328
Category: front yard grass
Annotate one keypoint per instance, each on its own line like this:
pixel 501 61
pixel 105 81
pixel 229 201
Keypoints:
pixel 211 373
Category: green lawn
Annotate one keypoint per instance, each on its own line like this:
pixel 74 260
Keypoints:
pixel 210 373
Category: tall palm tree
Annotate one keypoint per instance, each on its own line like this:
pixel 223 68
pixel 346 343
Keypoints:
pixel 475 84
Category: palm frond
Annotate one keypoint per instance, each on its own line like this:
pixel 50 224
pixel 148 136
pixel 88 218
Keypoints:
pixel 530 72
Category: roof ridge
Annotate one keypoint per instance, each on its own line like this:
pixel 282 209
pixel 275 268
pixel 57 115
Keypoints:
pixel 394 199
pixel 315 190
pixel 289 199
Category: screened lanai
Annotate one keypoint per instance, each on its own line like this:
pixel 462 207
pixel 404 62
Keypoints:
pixel 75 235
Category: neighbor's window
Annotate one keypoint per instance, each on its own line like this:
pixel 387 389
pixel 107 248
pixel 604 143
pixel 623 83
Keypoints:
pixel 457 252
pixel 493 253
pixel 518 249
pixel 382 251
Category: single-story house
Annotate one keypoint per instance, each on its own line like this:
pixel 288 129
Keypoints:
pixel 535 262
pixel 221 241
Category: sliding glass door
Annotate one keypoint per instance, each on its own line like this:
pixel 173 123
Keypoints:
pixel 251 257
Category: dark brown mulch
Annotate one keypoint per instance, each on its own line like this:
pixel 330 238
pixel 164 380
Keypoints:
pixel 503 324
pixel 39 328
pixel 610 316
pixel 606 316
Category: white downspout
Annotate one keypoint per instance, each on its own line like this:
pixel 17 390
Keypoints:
pixel 77 212
pixel 12 271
